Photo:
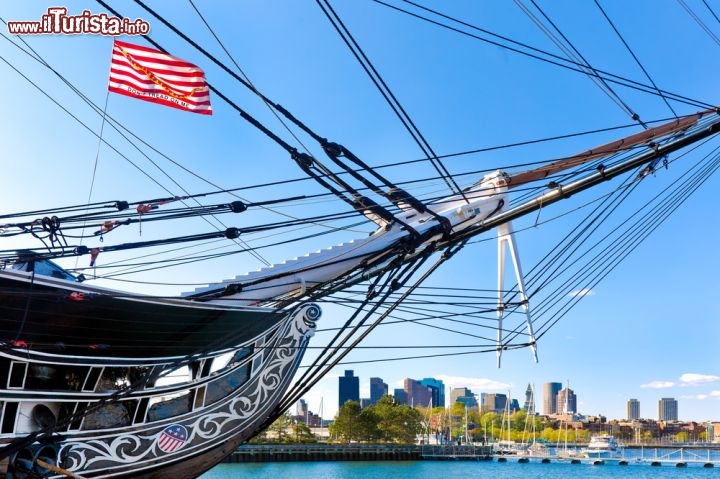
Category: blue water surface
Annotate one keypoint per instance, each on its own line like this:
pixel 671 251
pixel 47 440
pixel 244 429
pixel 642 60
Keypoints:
pixel 453 470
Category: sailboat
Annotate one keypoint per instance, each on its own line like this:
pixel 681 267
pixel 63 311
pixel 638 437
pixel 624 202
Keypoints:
pixel 506 446
pixel 100 382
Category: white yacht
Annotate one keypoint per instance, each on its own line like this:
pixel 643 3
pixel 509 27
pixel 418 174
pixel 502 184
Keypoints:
pixel 603 446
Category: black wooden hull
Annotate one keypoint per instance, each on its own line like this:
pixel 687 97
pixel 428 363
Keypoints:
pixel 66 318
pixel 100 414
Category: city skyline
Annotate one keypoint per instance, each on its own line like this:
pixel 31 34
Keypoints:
pixel 565 399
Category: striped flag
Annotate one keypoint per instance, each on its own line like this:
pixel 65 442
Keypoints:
pixel 172 438
pixel 152 75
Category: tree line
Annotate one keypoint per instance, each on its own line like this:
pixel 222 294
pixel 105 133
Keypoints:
pixel 389 422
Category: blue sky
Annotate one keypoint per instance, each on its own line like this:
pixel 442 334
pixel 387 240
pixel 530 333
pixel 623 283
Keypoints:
pixel 648 330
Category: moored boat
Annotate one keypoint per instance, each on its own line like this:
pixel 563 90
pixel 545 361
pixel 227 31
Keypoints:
pixel 602 446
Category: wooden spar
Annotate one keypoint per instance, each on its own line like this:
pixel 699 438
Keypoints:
pixel 626 143
pixel 561 192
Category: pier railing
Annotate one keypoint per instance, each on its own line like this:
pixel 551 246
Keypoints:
pixel 355 452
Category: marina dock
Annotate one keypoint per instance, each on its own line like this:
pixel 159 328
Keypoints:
pixel 681 457
pixel 655 457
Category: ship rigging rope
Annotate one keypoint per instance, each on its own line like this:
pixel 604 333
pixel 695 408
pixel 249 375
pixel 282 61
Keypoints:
pixel 38 58
pixel 126 132
pixel 612 254
pixel 637 60
pixel 115 205
pixel 702 175
pixel 700 23
pixel 430 155
pixel 258 228
pixel 536 53
pixel 385 91
pixel 161 261
pixel 328 363
pixel 171 160
pixel 250 85
pixel 610 257
pixel 601 274
pixel 712 12
pixel 566 46
pixel 117 128
pixel 304 160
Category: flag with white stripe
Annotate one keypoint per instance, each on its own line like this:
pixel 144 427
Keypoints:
pixel 152 75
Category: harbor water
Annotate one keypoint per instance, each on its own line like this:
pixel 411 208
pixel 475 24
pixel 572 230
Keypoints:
pixel 464 469
pixel 450 470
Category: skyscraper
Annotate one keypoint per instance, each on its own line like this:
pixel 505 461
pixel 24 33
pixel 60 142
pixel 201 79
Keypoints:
pixel 437 389
pixel 667 409
pixel 348 388
pixel 550 391
pixel 463 395
pixel 633 409
pixel 416 393
pixel 301 408
pixel 529 405
pixel 494 402
pixel 378 389
pixel 566 401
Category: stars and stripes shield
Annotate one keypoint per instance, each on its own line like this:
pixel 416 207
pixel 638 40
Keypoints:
pixel 172 438
pixel 154 76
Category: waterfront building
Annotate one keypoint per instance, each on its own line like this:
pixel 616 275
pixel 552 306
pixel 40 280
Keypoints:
pixel 550 391
pixel 437 390
pixel 304 415
pixel 416 394
pixel 378 389
pixel 566 402
pixel 529 404
pixel 463 395
pixel 348 388
pixel 400 396
pixel 633 409
pixel 667 409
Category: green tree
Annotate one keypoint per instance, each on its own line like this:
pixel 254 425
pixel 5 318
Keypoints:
pixel 275 432
pixel 488 421
pixel 367 425
pixel 302 433
pixel 397 423
pixel 344 428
